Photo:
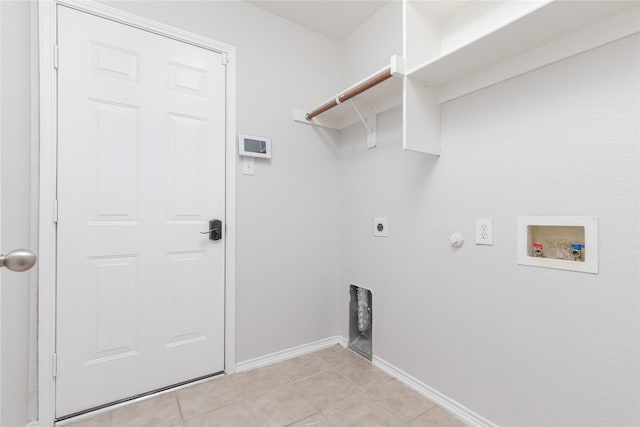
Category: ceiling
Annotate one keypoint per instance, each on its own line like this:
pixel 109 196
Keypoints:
pixel 334 19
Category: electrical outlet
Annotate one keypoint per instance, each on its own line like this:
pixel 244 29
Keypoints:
pixel 484 231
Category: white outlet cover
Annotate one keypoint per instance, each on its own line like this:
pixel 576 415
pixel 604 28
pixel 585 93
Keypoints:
pixel 385 227
pixel 484 231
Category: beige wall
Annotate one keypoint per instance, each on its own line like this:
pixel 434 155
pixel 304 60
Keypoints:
pixel 521 346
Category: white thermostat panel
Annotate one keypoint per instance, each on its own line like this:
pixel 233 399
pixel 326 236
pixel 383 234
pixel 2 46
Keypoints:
pixel 254 146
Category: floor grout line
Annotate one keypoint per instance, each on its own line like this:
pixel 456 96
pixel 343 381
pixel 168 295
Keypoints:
pixel 362 395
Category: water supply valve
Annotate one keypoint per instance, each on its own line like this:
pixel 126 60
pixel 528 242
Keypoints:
pixel 577 251
pixel 537 250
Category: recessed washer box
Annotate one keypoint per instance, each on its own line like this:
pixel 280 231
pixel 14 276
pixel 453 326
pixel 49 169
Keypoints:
pixel 560 242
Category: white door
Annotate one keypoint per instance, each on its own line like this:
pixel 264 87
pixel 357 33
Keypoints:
pixel 141 171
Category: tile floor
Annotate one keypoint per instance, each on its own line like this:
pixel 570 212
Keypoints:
pixel 332 387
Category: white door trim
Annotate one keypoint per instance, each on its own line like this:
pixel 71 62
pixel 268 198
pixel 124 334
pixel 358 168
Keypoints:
pixel 0 209
pixel 47 25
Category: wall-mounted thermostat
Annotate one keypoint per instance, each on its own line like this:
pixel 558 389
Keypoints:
pixel 254 146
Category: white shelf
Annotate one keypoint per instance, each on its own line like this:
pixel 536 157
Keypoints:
pixel 542 26
pixel 530 39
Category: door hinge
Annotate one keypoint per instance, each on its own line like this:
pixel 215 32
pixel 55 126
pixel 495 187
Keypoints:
pixel 55 211
pixel 225 229
pixel 224 58
pixel 56 57
pixel 54 365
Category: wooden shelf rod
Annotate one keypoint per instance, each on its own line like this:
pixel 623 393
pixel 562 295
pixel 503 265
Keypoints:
pixel 364 86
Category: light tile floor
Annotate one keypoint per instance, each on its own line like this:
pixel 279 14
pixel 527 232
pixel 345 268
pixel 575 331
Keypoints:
pixel 332 387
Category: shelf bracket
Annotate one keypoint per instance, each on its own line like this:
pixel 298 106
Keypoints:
pixel 361 117
pixel 368 119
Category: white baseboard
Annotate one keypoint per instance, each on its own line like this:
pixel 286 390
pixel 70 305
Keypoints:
pixel 343 341
pixel 290 353
pixel 455 408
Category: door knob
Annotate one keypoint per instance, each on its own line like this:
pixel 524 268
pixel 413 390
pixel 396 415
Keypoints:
pixel 215 230
pixel 18 260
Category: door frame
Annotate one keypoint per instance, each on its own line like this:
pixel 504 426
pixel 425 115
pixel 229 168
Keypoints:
pixel 0 221
pixel 47 24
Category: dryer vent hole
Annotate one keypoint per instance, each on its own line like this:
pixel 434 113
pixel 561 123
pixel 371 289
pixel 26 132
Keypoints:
pixel 361 321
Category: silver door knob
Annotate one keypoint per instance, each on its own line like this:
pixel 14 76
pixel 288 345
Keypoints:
pixel 18 260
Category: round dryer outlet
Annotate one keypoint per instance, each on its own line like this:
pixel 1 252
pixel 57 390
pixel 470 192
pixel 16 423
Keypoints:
pixel 380 227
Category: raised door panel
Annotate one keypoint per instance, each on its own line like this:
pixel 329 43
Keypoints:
pixel 186 79
pixel 114 62
pixel 115 131
pixel 112 302
pixel 186 140
pixel 185 302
